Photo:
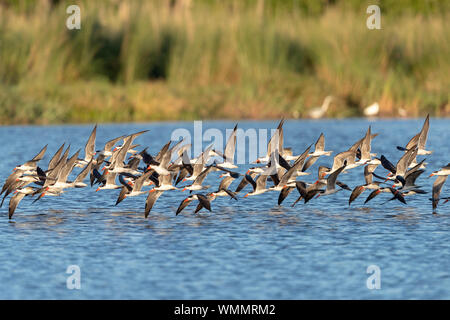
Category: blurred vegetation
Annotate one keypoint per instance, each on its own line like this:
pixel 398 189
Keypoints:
pixel 188 59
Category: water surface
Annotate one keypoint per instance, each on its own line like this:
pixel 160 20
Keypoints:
pixel 249 249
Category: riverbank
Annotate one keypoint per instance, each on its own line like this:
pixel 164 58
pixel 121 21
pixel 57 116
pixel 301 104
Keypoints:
pixel 144 61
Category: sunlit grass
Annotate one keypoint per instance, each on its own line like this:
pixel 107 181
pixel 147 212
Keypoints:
pixel 148 60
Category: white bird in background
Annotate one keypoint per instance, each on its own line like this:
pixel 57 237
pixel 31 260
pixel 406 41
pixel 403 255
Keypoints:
pixel 318 113
pixel 372 110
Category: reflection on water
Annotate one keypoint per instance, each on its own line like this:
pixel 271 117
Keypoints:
pixel 250 248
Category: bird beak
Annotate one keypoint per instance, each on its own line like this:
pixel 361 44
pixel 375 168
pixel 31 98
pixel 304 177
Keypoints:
pixel 97 189
pixel 184 180
pixel 431 175
pixel 184 189
pixel 246 195
pixel 221 176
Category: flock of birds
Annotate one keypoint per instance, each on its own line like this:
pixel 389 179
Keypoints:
pixel 120 166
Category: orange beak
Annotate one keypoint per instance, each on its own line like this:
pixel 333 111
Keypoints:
pixel 246 195
pixel 221 176
pixel 97 189
pixel 184 189
pixel 431 175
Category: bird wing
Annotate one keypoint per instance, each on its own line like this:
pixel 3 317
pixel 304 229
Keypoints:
pixel 54 160
pixel 112 142
pixel 153 195
pixel 309 162
pixel 230 147
pixel 387 164
pixel 83 173
pixel 372 195
pixel 183 205
pixel 14 202
pixel 68 167
pixel 320 143
pixel 140 181
pixel 437 187
pixel 89 149
pixel 125 184
pixel 405 160
pixel 366 145
pixel 355 193
pixel 204 201
pixel 424 133
pixel 40 154
pixel 199 180
pixel 331 180
pixel 225 183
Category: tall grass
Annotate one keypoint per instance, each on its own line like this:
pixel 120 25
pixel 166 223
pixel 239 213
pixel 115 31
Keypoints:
pixel 151 60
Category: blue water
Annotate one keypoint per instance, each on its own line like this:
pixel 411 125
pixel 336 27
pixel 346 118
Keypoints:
pixel 246 249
